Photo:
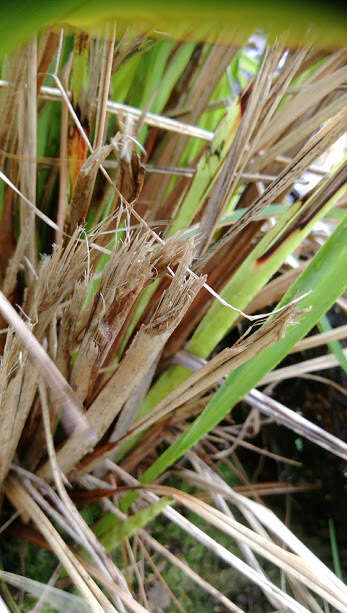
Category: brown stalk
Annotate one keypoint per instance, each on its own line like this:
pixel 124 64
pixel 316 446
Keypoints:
pixel 219 263
pixel 18 386
pixel 317 340
pixel 318 197
pixel 75 519
pixel 183 566
pixel 101 109
pixel 28 226
pixel 259 517
pixel 295 136
pixel 65 398
pixel 260 489
pixel 130 208
pixel 308 96
pixel 235 562
pixel 9 101
pixel 331 64
pixel 159 576
pixel 200 382
pixel 7 238
pixel 242 443
pixel 294 139
pixel 275 289
pixel 84 185
pixel 291 419
pixel 146 346
pixel 48 46
pixel 176 196
pixel 63 173
pixel 279 87
pixel 17 400
pixel 197 99
pixel 316 145
pixel 164 256
pixel 131 407
pixel 25 140
pixel 259 110
pixel 291 563
pixel 85 584
pixel 56 279
pixel 276 488
pixel 89 482
pixel 252 104
pixel 123 277
pixel 104 87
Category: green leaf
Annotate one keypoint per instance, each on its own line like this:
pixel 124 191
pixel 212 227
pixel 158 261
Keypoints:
pixel 111 531
pixel 79 66
pixel 246 62
pixel 253 274
pixel 207 171
pixel 335 346
pixel 326 279
pixel 225 20
pixel 335 550
pixel 152 68
pixel 9 598
pixel 125 77
pixel 256 270
pixel 169 75
pixel 162 76
pixel 208 168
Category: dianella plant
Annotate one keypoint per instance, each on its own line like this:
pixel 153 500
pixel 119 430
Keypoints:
pixel 173 226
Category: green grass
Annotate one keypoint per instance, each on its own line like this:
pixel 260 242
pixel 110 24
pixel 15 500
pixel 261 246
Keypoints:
pixel 83 301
